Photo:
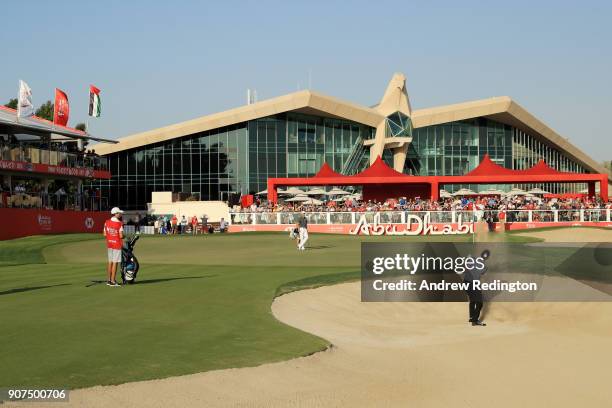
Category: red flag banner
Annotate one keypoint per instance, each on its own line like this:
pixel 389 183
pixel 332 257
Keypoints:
pixel 61 110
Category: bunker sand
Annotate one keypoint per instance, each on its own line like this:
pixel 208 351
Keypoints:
pixel 575 234
pixel 408 354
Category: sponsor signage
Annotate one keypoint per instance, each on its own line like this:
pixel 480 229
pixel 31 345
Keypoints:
pixel 25 222
pixel 82 172
pixel 415 225
pixel 398 229
pixel 45 222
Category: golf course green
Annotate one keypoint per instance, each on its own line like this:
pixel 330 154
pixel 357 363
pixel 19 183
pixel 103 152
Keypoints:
pixel 201 303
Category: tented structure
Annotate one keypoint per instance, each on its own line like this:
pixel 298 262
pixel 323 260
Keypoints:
pixel 380 181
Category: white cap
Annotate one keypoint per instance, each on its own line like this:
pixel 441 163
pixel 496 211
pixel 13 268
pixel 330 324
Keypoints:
pixel 116 210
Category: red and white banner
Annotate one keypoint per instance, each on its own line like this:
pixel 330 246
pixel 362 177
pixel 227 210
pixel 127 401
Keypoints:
pixel 61 108
pixel 398 229
pixel 82 172
pixel 21 222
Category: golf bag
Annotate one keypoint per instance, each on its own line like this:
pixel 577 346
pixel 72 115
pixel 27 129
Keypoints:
pixel 129 262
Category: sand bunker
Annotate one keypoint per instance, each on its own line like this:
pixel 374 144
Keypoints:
pixel 575 234
pixel 408 354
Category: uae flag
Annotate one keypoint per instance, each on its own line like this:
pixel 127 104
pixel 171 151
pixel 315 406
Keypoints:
pixel 95 106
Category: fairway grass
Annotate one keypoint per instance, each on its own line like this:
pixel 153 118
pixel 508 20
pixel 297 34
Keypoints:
pixel 202 303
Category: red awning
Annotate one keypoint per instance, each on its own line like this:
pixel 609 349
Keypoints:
pixel 542 168
pixel 379 169
pixel 326 171
pixel 488 168
pixel 487 172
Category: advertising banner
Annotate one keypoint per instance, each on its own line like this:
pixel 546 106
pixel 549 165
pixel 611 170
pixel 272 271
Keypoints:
pixel 23 222
pixel 83 172
pixel 61 108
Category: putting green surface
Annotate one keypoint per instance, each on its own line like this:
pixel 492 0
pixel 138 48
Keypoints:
pixel 202 303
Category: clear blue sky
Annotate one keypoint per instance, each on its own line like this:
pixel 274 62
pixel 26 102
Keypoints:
pixel 161 62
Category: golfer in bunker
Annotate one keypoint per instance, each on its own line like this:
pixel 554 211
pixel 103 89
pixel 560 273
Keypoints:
pixel 113 232
pixel 471 275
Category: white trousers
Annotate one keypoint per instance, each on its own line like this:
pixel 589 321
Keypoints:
pixel 303 237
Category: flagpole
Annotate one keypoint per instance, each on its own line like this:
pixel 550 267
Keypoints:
pixel 54 108
pixel 87 118
pixel 18 100
pixel 88 115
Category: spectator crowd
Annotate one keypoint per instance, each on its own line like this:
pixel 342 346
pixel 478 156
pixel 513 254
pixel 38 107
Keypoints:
pixel 466 203
pixel 172 224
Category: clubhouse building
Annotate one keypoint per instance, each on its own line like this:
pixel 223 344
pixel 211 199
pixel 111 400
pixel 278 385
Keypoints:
pixel 232 153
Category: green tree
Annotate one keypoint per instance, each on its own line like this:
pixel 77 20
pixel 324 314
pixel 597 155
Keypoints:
pixel 12 103
pixel 81 126
pixel 45 111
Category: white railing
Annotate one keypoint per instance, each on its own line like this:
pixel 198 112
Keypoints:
pixel 399 217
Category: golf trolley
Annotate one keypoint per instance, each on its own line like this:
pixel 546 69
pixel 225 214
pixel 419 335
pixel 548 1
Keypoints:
pixel 129 262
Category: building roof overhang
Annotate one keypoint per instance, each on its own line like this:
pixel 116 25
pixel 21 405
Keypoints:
pixel 302 101
pixel 504 110
pixel 40 126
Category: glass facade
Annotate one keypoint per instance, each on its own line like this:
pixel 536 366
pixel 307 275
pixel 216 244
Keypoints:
pixel 234 160
pixel 219 163
pixel 297 145
pixel 456 148
pixel 528 150
pixel 398 125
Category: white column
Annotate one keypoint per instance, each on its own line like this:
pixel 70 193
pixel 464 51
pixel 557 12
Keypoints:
pixel 555 215
pixel 453 216
pixel 582 215
pixel 328 218
pixel 530 216
pixel 278 218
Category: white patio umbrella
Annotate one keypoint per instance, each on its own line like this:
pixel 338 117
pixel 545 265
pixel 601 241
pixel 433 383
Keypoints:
pixel 298 198
pixel 316 191
pixel 445 194
pixel 313 201
pixel 491 191
pixel 337 191
pixel 264 192
pixel 463 192
pixel 537 191
pixel 516 191
pixel 294 191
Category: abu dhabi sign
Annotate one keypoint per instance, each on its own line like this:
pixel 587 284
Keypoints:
pixel 414 225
